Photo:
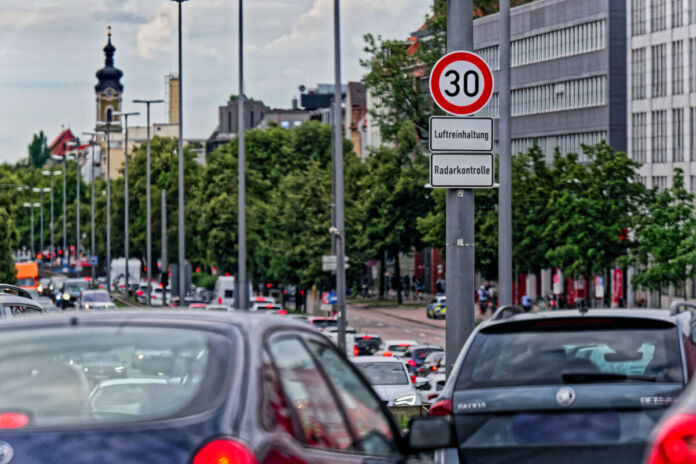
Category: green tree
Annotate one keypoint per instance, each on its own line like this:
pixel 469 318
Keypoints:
pixel 665 247
pixel 7 268
pixel 38 150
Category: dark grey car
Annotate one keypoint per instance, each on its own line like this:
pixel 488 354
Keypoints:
pixel 190 387
pixel 567 386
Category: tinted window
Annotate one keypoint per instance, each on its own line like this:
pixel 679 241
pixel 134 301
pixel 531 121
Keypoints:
pixel 543 357
pixel 308 394
pixel 402 348
pixel 367 421
pixel 229 293
pixel 91 375
pixel 28 282
pixel 384 373
pixel 421 353
pixel 324 323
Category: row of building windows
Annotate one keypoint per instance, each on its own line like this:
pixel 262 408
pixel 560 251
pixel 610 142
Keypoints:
pixel 661 183
pixel 658 15
pixel 658 71
pixel 567 143
pixel 660 135
pixel 574 40
pixel 557 96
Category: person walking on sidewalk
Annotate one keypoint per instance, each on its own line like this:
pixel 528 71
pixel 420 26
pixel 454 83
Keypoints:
pixel 484 299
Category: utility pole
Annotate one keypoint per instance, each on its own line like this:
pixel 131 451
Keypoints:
pixel 92 250
pixel 504 162
pixel 126 238
pixel 165 264
pixel 242 298
pixel 339 229
pixel 148 220
pixel 66 255
pixel 460 214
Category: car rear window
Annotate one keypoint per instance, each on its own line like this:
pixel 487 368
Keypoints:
pixel 384 373
pixel 539 357
pixel 422 353
pixel 324 323
pixel 28 282
pixel 74 376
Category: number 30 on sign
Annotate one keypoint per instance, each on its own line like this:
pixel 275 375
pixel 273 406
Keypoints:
pixel 461 83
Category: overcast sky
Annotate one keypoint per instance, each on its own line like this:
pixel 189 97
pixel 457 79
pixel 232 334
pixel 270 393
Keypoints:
pixel 50 50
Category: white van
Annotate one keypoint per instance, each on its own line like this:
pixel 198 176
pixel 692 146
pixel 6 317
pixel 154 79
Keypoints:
pixel 224 291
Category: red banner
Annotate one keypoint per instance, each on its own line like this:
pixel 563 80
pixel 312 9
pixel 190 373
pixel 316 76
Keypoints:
pixel 617 286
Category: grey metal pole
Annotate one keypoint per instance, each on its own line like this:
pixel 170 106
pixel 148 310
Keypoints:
pixel 125 204
pixel 53 246
pixel 148 219
pixel 108 206
pixel 504 163
pixel 242 298
pixel 77 203
pixel 66 255
pixel 460 214
pixel 338 141
pixel 92 251
pixel 182 232
pixel 31 215
pixel 41 244
pixel 164 265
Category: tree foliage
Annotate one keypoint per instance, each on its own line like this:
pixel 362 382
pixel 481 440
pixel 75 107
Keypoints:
pixel 38 150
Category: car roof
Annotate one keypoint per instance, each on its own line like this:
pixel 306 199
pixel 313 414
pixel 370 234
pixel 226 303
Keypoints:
pixel 425 345
pixel 378 359
pixel 401 341
pixel 640 313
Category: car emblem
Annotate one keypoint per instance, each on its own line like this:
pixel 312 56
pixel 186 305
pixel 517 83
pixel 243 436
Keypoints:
pixel 564 396
pixel 6 452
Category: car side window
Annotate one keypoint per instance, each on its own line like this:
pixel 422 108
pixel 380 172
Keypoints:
pixel 320 417
pixel 367 420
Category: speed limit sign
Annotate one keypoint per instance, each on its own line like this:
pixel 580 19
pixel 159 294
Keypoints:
pixel 461 83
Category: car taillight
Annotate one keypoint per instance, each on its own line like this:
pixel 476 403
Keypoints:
pixel 411 363
pixel 413 379
pixel 224 451
pixel 366 337
pixel 355 350
pixel 432 396
pixel 13 420
pixel 434 368
pixel 387 353
pixel 283 312
pixel 279 457
pixel 675 442
pixel 219 300
pixel 441 408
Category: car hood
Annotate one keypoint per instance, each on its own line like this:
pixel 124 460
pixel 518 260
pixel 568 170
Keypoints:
pixel 391 392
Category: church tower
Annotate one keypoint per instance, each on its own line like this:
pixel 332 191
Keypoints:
pixel 109 90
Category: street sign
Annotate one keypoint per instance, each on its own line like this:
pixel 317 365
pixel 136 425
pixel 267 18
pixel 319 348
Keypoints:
pixel 461 170
pixel 461 83
pixel 458 134
pixel 330 262
pixel 329 298
pixel 93 260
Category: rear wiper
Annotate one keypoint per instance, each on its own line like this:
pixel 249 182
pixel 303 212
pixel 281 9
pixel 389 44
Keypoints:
pixel 586 377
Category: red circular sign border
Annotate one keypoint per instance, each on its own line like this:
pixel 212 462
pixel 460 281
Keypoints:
pixel 487 83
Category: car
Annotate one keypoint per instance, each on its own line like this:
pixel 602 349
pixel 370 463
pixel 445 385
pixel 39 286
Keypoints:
pixel 438 300
pixel 575 386
pixel 398 348
pixel 390 379
pixel 56 283
pixel 12 306
pixel 437 311
pixel 44 283
pixel 322 323
pixel 96 299
pixel 415 355
pixel 265 306
pixel 429 388
pixel 367 344
pixel 224 290
pixel 211 387
pixel 217 307
pixel 434 363
pixel 71 291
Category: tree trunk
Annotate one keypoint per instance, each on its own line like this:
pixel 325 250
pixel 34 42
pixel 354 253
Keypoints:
pixel 397 276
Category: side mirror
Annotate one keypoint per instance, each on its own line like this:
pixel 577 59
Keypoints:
pixel 430 433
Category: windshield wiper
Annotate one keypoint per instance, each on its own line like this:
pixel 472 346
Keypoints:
pixel 587 377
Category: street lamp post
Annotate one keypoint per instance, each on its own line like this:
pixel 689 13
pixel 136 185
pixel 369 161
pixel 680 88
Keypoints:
pixel 41 191
pixel 76 145
pixel 107 130
pixel 31 207
pixel 182 256
pixel 148 220
pixel 93 252
pixel 242 297
pixel 65 227
pixel 125 191
pixel 53 246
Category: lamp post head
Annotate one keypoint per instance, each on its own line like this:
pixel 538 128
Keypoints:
pixel 57 173
pixel 121 113
pixel 149 101
pixel 26 205
pixel 36 190
pixel 46 190
pixel 36 205
pixel 46 173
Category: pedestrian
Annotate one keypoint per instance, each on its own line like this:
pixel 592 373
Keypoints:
pixel 440 285
pixel 406 285
pixel 483 298
pixel 526 303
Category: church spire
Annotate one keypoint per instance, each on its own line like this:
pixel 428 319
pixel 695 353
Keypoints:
pixel 109 76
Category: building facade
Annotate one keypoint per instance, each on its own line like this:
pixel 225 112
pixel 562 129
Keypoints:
pixel 109 91
pixel 661 63
pixel 568 73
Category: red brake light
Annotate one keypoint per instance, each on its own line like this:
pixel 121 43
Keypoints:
pixel 441 408
pixel 219 300
pixel 269 285
pixel 434 368
pixel 88 279
pixel 260 298
pixel 283 312
pixel 227 274
pixel 224 451
pixel 140 293
pixel 404 345
pixel 366 337
pixel 301 292
pixel 411 363
pixel 675 442
pixel 355 350
pixel 387 353
pixel 268 306
pixel 413 379
pixel 13 420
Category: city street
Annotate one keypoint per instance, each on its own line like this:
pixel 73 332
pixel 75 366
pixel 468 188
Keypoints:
pixel 397 323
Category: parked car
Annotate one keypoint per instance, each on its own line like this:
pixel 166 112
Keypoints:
pixel 438 300
pixel 389 378
pixel 229 387
pixel 570 386
pixel 437 310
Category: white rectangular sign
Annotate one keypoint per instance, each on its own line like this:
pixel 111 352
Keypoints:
pixel 460 134
pixel 473 170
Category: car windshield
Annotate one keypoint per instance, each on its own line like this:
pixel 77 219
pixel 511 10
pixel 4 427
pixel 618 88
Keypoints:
pixel 89 375
pixel 96 297
pixel 561 356
pixel 384 373
pixel 324 323
pixel 27 282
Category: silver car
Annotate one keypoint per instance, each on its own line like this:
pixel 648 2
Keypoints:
pixel 390 379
